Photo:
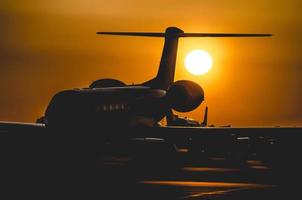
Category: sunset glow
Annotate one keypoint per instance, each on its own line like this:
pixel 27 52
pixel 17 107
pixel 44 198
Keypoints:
pixel 198 62
pixel 50 46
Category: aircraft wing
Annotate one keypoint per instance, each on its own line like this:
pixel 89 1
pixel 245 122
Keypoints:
pixel 227 137
pixel 174 131
pixel 8 127
pixel 196 132
pixel 253 131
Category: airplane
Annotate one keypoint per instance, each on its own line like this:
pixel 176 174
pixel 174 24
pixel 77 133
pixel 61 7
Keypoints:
pixel 109 104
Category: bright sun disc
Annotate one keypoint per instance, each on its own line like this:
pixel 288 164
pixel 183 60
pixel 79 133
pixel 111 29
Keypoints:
pixel 198 62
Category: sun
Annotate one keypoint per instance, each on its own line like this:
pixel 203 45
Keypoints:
pixel 198 62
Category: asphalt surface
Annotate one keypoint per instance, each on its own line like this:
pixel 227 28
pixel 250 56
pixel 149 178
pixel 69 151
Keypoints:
pixel 62 166
pixel 211 179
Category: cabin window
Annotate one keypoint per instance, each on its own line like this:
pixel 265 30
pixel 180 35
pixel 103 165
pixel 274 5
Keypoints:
pixel 112 107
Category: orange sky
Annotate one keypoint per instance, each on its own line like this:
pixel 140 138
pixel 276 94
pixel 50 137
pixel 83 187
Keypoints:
pixel 48 46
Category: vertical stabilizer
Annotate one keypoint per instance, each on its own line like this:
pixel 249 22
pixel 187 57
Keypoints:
pixel 166 71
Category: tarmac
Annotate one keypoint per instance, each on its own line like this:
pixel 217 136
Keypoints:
pixel 211 179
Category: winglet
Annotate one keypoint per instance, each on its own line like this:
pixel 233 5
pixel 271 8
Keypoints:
pixel 205 118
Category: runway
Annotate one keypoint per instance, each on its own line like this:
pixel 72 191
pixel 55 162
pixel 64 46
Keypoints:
pixel 211 180
pixel 49 165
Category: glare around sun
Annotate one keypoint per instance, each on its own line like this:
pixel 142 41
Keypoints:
pixel 198 62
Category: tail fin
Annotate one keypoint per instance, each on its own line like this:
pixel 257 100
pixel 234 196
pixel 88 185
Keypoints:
pixel 166 70
pixel 205 118
pixel 165 74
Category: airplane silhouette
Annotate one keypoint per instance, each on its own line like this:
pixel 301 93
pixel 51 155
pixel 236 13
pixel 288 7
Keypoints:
pixel 108 102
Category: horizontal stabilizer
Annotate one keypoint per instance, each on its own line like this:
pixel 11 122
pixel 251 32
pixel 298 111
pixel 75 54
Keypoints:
pixel 134 34
pixel 223 35
pixel 150 34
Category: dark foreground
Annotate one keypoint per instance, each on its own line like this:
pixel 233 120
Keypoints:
pixel 211 179
pixel 62 166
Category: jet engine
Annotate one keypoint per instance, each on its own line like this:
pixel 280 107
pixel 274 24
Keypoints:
pixel 104 83
pixel 184 95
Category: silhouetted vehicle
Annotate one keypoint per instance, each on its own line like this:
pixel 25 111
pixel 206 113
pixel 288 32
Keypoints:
pixel 114 111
